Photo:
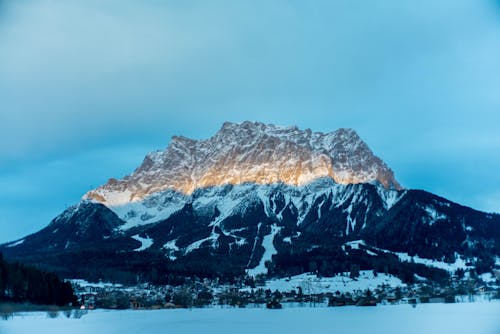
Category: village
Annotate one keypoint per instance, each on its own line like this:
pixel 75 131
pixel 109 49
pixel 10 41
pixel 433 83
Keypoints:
pixel 253 293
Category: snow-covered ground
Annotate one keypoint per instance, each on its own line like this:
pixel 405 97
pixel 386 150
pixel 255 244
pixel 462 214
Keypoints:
pixel 462 318
pixel 488 278
pixel 83 283
pixel 450 267
pixel 171 247
pixel 459 263
pixel 310 283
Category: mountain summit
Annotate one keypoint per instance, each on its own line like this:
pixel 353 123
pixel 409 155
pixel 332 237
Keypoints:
pixel 250 153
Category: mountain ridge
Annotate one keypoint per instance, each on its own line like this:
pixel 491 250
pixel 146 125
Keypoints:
pixel 148 223
pixel 250 152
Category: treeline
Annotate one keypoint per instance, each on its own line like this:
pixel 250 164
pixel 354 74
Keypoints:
pixel 151 266
pixel 24 284
pixel 131 268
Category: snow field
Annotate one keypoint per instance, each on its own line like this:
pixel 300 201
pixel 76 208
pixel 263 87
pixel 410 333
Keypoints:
pixel 312 284
pixel 460 318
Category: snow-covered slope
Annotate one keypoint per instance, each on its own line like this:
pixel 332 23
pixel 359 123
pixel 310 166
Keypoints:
pixel 249 152
pixel 233 199
pixel 312 284
pixel 253 223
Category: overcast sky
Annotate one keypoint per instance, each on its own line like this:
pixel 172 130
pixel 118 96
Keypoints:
pixel 87 88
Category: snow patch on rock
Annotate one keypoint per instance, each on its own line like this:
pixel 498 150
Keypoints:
pixel 269 251
pixel 17 243
pixel 145 242
pixel 390 197
pixel 312 284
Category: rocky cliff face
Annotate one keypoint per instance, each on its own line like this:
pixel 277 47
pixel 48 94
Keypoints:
pixel 250 153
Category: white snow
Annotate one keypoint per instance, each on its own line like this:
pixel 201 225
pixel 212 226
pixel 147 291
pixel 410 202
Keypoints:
pixel 17 243
pixel 83 283
pixel 259 225
pixel 433 214
pixel 420 278
pixel 269 251
pixel 312 284
pixel 450 267
pixel 117 198
pixel 153 208
pixel 351 223
pixel 195 245
pixel 488 278
pixel 404 257
pixel 389 197
pixel 146 242
pixel 233 199
pixel 369 252
pixel 171 247
pixel 355 244
pixel 319 209
pixel 225 203
pixel 460 318
pixel 263 194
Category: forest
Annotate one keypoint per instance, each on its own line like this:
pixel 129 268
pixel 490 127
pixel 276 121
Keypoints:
pixel 24 284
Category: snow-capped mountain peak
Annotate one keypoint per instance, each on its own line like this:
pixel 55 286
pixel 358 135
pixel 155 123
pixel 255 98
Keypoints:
pixel 249 152
pixel 263 199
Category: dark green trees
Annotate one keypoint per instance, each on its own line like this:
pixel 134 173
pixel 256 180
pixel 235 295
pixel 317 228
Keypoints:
pixel 20 283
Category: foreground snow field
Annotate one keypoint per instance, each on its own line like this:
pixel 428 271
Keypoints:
pixel 479 318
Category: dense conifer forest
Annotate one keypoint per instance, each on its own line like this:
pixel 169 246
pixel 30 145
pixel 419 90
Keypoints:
pixel 24 284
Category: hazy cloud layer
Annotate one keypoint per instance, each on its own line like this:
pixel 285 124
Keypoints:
pixel 418 80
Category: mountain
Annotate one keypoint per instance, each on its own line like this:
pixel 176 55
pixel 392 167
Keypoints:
pixel 261 199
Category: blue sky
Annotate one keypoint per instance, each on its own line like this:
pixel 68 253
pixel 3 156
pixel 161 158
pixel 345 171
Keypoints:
pixel 87 88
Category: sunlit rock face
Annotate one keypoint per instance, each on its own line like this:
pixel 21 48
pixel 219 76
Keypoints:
pixel 250 152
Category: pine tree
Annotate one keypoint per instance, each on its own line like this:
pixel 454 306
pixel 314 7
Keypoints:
pixel 20 283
